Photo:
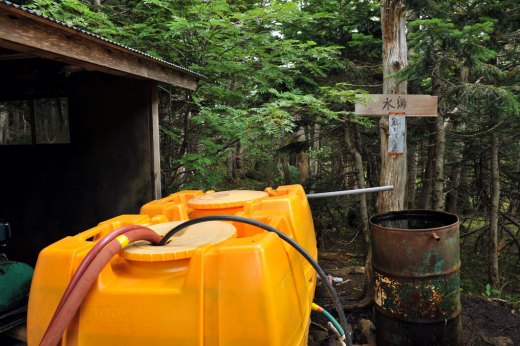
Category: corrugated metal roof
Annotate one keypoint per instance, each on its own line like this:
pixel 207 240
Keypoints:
pixel 91 34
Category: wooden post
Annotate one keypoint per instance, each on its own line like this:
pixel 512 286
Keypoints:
pixel 155 141
pixel 395 57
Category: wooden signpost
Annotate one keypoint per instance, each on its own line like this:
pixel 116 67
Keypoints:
pixel 397 107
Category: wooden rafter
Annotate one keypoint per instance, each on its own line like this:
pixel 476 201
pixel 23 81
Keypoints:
pixel 30 34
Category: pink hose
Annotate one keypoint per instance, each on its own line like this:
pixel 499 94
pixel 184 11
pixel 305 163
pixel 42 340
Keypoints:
pixel 88 259
pixel 77 294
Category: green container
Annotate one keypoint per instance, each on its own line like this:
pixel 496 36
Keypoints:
pixel 15 281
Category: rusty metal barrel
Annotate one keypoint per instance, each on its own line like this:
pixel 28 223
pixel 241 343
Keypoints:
pixel 416 263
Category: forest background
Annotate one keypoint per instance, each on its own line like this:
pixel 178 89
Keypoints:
pixel 277 108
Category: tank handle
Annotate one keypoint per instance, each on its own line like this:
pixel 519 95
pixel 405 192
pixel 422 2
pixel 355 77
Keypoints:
pixel 90 233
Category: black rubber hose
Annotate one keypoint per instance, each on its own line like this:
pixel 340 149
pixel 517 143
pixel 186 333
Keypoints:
pixel 285 237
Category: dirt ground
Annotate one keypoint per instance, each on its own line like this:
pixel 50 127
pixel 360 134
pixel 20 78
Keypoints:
pixel 484 322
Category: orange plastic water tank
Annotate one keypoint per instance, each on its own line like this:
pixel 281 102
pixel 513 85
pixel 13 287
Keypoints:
pixel 216 283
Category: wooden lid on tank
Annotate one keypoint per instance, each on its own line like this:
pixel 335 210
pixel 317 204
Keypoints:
pixel 226 199
pixel 181 245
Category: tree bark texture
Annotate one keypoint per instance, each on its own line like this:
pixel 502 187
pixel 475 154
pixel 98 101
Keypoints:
pixel 515 203
pixel 438 199
pixel 363 211
pixel 234 163
pixel 315 144
pixel 413 163
pixel 360 182
pixel 302 162
pixel 456 174
pixel 395 57
pixel 494 210
pixel 302 158
pixel 284 161
pixel 231 169
pixel 427 178
pixel 452 198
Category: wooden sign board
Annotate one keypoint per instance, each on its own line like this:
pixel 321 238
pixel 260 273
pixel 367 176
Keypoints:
pixel 385 104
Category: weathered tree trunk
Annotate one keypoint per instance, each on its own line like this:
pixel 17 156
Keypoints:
pixel 452 198
pixel 456 174
pixel 230 162
pixel 284 161
pixel 174 173
pixel 234 163
pixel 395 57
pixel 463 197
pixel 413 163
pixel 302 159
pixel 302 162
pixel 493 212
pixel 239 160
pixel 427 177
pixel 515 202
pixel 438 200
pixel 360 181
pixel 315 144
pixel 368 292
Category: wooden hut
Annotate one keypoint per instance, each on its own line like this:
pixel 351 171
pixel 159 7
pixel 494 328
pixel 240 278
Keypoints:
pixel 79 130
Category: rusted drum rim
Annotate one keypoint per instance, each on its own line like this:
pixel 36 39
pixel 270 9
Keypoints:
pixel 450 220
pixel 416 251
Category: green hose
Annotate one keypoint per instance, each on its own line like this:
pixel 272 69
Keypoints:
pixel 317 308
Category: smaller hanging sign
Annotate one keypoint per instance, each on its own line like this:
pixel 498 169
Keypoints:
pixel 396 133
